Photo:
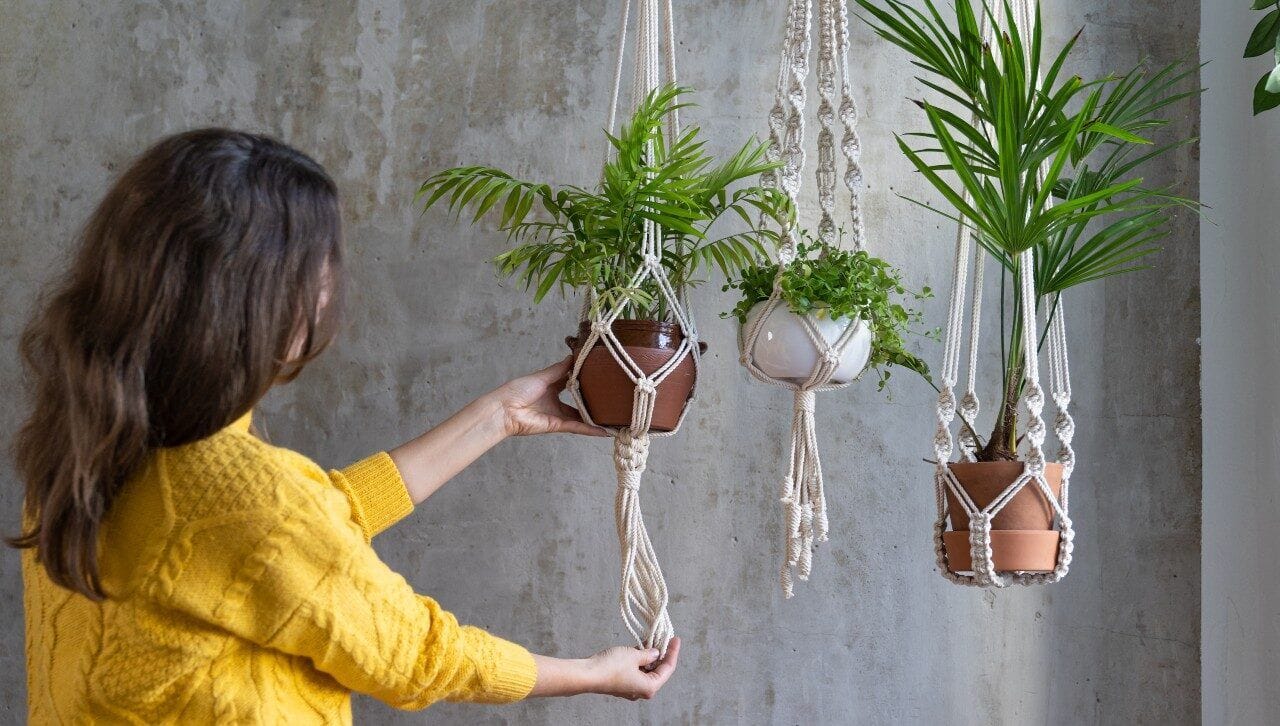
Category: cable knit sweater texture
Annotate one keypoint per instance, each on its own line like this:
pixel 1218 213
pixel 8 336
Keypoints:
pixel 242 589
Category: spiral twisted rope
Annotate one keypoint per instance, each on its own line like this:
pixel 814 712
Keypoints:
pixel 644 597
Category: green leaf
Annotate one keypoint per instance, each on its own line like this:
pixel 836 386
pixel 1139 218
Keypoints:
pixel 1264 100
pixel 1273 81
pixel 1264 35
pixel 1114 132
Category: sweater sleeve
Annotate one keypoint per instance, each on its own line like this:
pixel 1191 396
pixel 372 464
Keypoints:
pixel 376 492
pixel 298 576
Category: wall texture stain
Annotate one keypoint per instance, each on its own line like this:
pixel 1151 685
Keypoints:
pixel 385 91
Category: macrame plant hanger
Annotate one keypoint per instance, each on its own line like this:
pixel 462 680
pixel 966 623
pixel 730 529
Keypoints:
pixel 643 599
pixel 803 496
pixel 984 573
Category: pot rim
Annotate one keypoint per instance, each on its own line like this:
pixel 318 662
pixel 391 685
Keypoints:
pixel 787 309
pixel 666 326
pixel 962 465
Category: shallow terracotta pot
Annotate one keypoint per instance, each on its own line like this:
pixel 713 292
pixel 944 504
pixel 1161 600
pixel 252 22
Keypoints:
pixel 1022 537
pixel 1012 550
pixel 608 392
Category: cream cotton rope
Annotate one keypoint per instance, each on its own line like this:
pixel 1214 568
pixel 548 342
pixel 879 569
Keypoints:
pixel 643 599
pixel 984 573
pixel 803 496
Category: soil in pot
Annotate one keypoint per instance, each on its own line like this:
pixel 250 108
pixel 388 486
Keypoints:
pixel 1022 536
pixel 609 393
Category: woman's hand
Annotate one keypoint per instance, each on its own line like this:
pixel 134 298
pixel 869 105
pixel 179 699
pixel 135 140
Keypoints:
pixel 531 404
pixel 629 673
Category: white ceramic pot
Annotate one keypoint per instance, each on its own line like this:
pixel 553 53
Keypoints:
pixel 785 352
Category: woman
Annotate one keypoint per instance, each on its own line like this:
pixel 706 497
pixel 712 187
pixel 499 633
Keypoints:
pixel 177 567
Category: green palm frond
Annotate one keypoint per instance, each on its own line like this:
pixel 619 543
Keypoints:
pixel 570 238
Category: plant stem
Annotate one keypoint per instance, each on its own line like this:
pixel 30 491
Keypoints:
pixel 1003 443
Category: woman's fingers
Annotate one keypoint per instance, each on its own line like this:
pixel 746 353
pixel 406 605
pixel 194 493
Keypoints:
pixel 555 374
pixel 571 422
pixel 663 669
pixel 651 673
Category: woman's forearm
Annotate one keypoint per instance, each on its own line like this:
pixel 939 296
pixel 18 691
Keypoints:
pixel 523 406
pixel 561 676
pixel 620 671
pixel 427 462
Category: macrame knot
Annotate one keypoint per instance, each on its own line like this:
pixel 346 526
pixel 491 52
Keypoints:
pixel 599 328
pixel 805 402
pixel 946 403
pixel 631 452
pixel 646 386
pixel 631 482
pixel 1064 426
pixel 1034 397
pixel 831 358
pixel 651 261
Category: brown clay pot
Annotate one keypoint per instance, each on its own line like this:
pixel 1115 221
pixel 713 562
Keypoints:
pixel 1022 536
pixel 608 392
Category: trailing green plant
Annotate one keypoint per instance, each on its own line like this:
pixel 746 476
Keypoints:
pixel 1264 39
pixel 1035 159
pixel 591 239
pixel 828 281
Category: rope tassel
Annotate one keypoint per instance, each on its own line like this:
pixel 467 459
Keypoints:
pixel 643 600
pixel 803 498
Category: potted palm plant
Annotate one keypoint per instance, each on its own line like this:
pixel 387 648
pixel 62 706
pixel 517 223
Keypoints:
pixel 589 240
pixel 1029 157
pixel 836 286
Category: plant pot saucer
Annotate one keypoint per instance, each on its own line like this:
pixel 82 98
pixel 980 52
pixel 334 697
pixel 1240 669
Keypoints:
pixel 1012 550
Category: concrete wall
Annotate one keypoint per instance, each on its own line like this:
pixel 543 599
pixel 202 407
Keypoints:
pixel 1239 175
pixel 384 91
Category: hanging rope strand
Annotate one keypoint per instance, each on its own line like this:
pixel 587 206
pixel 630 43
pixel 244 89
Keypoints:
pixel 643 596
pixel 803 494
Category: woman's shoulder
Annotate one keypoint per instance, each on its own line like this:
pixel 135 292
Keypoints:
pixel 233 471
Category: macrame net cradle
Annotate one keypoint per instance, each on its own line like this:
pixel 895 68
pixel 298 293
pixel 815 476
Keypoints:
pixel 803 495
pixel 644 597
pixel 984 573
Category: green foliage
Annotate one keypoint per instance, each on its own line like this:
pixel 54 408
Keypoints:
pixel 1051 162
pixel 572 238
pixel 828 281
pixel 1266 39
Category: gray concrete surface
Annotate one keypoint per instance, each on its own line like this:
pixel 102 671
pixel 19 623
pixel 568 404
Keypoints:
pixel 384 91
pixel 1239 177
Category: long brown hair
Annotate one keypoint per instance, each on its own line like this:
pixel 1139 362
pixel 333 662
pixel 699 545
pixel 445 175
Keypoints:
pixel 211 270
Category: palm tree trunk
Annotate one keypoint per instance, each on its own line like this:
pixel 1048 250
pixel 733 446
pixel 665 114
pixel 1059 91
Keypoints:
pixel 1002 445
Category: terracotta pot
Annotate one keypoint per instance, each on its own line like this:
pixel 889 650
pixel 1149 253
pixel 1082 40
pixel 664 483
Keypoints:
pixel 608 392
pixel 1022 537
pixel 784 351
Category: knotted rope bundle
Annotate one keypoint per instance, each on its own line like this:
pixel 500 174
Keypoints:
pixel 643 598
pixel 984 573
pixel 803 497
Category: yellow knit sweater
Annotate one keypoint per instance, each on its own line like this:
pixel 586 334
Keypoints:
pixel 242 588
